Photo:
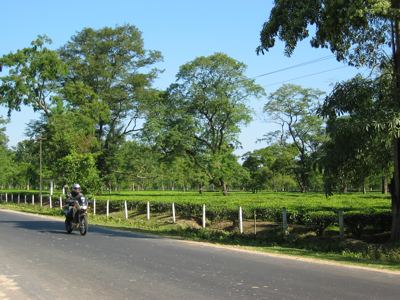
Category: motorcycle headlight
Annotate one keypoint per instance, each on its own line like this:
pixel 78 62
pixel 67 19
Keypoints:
pixel 84 206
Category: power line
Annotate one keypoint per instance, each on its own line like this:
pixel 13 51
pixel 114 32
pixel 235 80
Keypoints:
pixel 305 76
pixel 296 66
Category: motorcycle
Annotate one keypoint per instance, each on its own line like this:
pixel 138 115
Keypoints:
pixel 80 222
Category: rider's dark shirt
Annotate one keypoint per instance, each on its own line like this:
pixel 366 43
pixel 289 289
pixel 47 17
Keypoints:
pixel 78 197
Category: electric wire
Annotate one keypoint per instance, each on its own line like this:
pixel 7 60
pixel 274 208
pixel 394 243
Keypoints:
pixel 296 66
pixel 305 76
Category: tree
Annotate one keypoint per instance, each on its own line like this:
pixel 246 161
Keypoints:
pixel 34 77
pixel 272 167
pixel 294 109
pixel 356 150
pixel 80 168
pixel 25 173
pixel 65 132
pixel 203 112
pixel 136 163
pixel 258 172
pixel 109 80
pixel 6 166
pixel 358 32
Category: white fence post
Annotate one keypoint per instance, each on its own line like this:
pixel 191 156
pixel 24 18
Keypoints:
pixel 6 198
pixel 204 216
pixel 33 199
pixel 255 222
pixel 284 221
pixel 173 213
pixel 25 198
pixel 126 210
pixel 41 200
pixel 108 208
pixel 12 197
pixel 94 206
pixel 240 219
pixel 19 198
pixel 61 202
pixel 148 211
pixel 51 187
pixel 50 202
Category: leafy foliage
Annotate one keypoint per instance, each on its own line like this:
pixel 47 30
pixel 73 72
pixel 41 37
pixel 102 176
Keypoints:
pixel 80 168
pixel 109 81
pixel 294 109
pixel 202 113
pixel 5 156
pixel 34 77
pixel 356 31
pixel 357 148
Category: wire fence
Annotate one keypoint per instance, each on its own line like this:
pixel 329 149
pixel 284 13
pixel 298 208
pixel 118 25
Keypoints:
pixel 254 222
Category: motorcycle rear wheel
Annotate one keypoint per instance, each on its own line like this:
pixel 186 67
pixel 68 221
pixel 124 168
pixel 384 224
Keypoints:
pixel 83 226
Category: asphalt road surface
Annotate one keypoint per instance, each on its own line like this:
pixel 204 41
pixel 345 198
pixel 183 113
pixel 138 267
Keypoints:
pixel 38 260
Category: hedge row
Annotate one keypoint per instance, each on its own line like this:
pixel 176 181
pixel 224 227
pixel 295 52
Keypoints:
pixel 355 222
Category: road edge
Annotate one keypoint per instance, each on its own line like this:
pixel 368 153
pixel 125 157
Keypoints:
pixel 241 249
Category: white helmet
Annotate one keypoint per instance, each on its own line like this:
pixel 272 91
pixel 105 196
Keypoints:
pixel 76 186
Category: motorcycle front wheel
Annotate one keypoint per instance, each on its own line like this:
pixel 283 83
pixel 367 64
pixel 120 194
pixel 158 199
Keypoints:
pixel 68 226
pixel 83 225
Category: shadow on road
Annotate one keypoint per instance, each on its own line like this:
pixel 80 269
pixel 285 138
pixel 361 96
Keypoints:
pixel 54 227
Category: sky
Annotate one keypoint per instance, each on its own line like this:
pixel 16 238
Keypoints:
pixel 182 30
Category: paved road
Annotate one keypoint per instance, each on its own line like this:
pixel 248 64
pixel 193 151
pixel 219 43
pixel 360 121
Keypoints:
pixel 39 261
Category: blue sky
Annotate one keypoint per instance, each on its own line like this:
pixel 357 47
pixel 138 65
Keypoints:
pixel 181 30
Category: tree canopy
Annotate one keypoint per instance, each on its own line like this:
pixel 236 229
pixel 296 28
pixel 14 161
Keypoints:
pixel 203 112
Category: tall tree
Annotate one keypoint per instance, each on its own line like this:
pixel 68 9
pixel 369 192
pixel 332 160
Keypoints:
pixel 294 109
pixel 64 132
pixel 356 150
pixel 203 113
pixel 358 32
pixel 34 76
pixel 110 74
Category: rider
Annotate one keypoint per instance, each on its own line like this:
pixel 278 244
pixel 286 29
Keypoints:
pixel 75 199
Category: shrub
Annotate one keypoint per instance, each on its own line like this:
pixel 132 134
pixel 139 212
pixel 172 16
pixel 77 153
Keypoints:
pixel 320 220
pixel 356 221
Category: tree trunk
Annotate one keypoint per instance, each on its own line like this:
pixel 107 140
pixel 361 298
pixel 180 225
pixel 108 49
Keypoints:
pixel 395 186
pixel 384 185
pixel 395 192
pixel 225 188
pixel 200 189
